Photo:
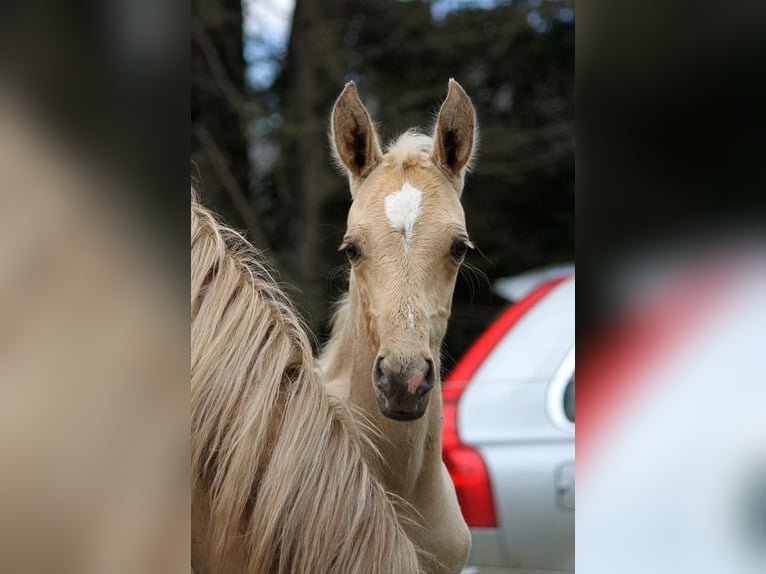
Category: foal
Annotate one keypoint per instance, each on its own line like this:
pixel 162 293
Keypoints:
pixel 405 239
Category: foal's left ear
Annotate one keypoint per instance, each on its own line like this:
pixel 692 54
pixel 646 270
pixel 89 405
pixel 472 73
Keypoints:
pixel 454 137
pixel 354 139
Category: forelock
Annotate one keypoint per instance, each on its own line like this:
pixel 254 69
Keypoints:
pixel 409 148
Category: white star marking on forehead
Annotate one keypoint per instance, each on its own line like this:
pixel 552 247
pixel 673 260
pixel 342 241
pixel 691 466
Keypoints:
pixel 403 210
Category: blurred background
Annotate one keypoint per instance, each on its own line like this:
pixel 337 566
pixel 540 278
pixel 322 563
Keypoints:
pixel 264 75
pixel 94 287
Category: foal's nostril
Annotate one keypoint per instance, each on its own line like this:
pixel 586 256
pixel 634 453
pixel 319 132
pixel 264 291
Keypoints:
pixel 379 367
pixel 429 373
pixel 378 376
pixel 428 379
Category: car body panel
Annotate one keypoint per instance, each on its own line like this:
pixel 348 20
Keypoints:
pixel 512 412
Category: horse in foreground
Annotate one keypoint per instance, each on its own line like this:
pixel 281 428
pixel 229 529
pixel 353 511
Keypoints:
pixel 279 481
pixel 405 240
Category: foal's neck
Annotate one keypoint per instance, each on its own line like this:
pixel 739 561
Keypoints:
pixel 411 451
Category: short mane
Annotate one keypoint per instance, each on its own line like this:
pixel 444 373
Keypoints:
pixel 409 147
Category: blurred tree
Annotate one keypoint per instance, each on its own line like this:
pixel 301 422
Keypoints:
pixel 220 111
pixel 308 81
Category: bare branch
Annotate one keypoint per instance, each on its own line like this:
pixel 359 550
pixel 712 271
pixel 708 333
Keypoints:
pixel 229 182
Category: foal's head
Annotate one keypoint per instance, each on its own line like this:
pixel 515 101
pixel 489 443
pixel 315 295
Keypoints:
pixel 406 238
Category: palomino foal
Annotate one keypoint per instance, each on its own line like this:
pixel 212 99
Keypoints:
pixel 406 238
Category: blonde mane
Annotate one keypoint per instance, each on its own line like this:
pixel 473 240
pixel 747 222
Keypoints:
pixel 279 484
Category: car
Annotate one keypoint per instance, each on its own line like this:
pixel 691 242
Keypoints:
pixel 509 428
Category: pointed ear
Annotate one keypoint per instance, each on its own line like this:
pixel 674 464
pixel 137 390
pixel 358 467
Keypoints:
pixel 354 140
pixel 454 137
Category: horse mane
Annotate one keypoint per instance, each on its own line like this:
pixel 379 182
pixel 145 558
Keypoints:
pixel 408 144
pixel 279 482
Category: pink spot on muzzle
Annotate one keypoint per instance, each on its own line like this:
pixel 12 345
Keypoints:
pixel 414 383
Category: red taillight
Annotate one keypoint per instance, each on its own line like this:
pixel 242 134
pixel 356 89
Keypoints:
pixel 464 463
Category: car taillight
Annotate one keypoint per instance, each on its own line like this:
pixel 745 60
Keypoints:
pixel 466 467
pixel 464 463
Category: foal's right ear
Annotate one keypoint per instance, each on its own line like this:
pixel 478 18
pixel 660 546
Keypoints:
pixel 354 140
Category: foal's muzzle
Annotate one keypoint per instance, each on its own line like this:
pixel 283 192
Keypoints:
pixel 403 385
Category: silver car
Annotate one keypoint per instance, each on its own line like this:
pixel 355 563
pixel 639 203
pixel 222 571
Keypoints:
pixel 509 429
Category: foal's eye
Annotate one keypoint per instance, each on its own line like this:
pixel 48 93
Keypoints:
pixel 458 249
pixel 351 250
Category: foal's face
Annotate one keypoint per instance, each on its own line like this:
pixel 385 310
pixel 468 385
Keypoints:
pixel 406 238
